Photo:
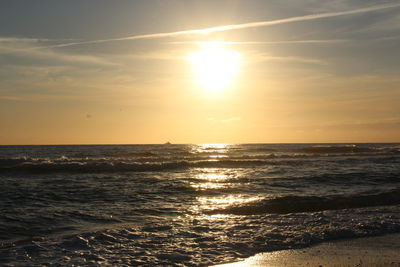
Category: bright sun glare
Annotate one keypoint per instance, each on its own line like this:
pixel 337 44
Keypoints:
pixel 215 66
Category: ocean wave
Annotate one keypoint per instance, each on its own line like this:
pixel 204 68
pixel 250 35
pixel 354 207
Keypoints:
pixel 296 204
pixel 144 154
pixel 350 149
pixel 148 161
pixel 109 165
pixel 338 149
pixel 38 166
pixel 222 239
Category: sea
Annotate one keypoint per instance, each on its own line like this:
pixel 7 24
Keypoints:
pixel 189 205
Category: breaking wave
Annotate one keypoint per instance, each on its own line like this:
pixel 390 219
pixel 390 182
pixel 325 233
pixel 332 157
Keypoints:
pixel 295 204
pixel 66 165
pixel 348 149
pixel 19 165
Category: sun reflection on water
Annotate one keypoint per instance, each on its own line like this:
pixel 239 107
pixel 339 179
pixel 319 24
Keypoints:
pixel 220 202
pixel 211 148
pixel 211 178
pixel 216 183
pixel 213 174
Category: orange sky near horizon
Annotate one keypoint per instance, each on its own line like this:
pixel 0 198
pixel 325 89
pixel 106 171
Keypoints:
pixel 276 74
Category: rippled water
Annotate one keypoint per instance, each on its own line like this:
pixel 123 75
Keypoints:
pixel 190 204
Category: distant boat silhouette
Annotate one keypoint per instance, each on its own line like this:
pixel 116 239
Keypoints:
pixel 167 143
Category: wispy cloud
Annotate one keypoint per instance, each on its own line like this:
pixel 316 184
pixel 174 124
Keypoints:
pixel 328 41
pixel 290 59
pixel 237 26
pixel 9 98
pixel 25 47
pixel 17 39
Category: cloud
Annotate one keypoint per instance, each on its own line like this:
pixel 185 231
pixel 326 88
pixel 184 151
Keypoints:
pixel 237 26
pixel 263 57
pixel 157 55
pixel 328 41
pixel 17 39
pixel 25 48
pixel 9 98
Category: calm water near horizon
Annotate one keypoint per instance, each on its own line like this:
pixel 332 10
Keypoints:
pixel 190 205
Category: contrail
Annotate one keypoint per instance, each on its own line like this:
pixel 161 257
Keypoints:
pixel 235 26
pixel 330 41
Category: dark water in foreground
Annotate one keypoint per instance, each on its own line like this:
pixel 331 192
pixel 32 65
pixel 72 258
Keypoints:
pixel 189 205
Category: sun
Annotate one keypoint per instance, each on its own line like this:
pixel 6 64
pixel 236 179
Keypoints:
pixel 215 66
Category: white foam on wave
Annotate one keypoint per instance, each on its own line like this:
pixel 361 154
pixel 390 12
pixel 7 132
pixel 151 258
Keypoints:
pixel 199 240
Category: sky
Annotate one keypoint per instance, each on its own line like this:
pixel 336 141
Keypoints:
pixel 121 72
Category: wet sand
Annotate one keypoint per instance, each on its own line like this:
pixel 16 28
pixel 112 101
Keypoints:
pixel 368 251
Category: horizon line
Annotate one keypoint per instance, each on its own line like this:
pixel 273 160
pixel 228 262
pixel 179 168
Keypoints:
pixel 228 143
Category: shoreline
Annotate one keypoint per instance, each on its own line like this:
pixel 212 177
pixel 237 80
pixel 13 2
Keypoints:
pixel 364 251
